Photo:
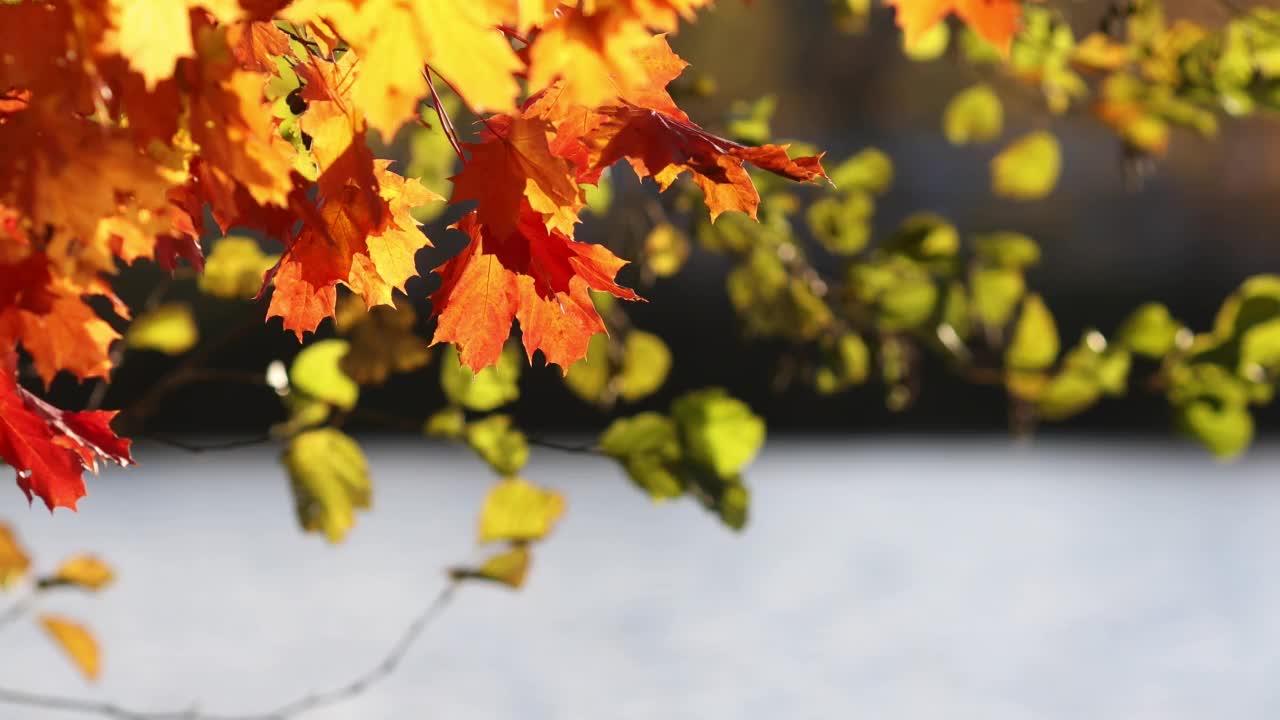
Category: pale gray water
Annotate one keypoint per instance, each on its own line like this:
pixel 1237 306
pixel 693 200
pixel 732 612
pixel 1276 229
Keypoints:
pixel 879 579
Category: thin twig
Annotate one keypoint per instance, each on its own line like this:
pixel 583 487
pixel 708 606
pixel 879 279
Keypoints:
pixel 565 447
pixel 446 124
pixel 17 610
pixel 306 704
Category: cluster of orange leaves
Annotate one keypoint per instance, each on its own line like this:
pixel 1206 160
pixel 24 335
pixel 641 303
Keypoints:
pixel 124 122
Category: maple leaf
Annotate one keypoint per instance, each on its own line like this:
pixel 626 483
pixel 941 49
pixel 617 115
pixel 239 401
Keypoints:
pixel 537 276
pixel 995 20
pixel 394 39
pixel 347 245
pixel 49 448
pixel 663 147
pixel 515 164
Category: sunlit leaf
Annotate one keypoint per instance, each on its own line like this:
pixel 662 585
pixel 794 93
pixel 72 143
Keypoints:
pixel 317 373
pixel 449 422
pixel 974 115
pixel 848 364
pixel 85 571
pixel 645 364
pixel 666 248
pixel 1007 250
pixel 508 567
pixel 486 390
pixel 1035 341
pixel 498 443
pixel 1028 168
pixel 382 340
pixel 717 431
pixel 1150 330
pixel 234 268
pixel 928 45
pixel 14 561
pixel 169 328
pixel 518 510
pixel 870 170
pixel 842 224
pixel 330 480
pixel 996 293
pixel 77 642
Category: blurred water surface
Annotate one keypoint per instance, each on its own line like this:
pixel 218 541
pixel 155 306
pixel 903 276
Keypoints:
pixel 883 579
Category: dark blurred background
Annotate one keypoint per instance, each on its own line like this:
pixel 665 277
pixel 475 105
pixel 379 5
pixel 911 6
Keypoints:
pixel 1200 223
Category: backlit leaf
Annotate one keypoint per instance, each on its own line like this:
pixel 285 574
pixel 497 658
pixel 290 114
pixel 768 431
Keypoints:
pixel 717 431
pixel 330 480
pixel 486 390
pixel 169 328
pixel 1150 330
pixel 499 444
pixel 518 510
pixel 1028 168
pixel 85 571
pixel 645 364
pixel 974 115
pixel 14 561
pixel 508 567
pixel 1035 338
pixel 234 268
pixel 317 373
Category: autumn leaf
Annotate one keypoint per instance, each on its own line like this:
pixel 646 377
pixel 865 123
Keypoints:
pixel 77 642
pixel 14 561
pixel 664 147
pixel 536 276
pixel 508 567
pixel 518 510
pixel 513 166
pixel 330 480
pixel 995 20
pixel 50 449
pixel 83 571
pixel 382 340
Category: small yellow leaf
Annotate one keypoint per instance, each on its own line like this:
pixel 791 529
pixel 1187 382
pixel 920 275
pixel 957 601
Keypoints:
pixel 382 340
pixel 1028 169
pixel 666 249
pixel 929 45
pixel 645 364
pixel 86 571
pixel 499 444
pixel 508 568
pixel 330 480
pixel 77 642
pixel 234 269
pixel 170 329
pixel 317 373
pixel 516 509
pixel 974 115
pixel 14 561
pixel 1035 341
pixel 486 390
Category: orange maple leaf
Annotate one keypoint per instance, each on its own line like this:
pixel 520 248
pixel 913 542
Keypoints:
pixel 347 243
pixel 50 449
pixel 539 277
pixel 995 20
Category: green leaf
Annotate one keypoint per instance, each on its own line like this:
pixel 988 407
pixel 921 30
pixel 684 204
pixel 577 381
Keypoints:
pixel 749 121
pixel 842 224
pixel 732 505
pixel 1260 346
pixel 1068 393
pixel 499 444
pixel 870 171
pixel 717 431
pixel 1150 331
pixel 1028 169
pixel 487 390
pixel 974 115
pixel 925 236
pixel 847 364
pixel 330 481
pixel 170 329
pixel 996 293
pixel 1010 250
pixel 646 361
pixel 1035 341
pixel 600 196
pixel 649 450
pixel 1211 405
pixel 317 373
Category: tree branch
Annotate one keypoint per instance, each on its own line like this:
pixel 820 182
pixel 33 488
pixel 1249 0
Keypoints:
pixel 296 708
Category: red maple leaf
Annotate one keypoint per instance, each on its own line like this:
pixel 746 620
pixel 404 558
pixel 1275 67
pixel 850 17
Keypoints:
pixel 50 448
